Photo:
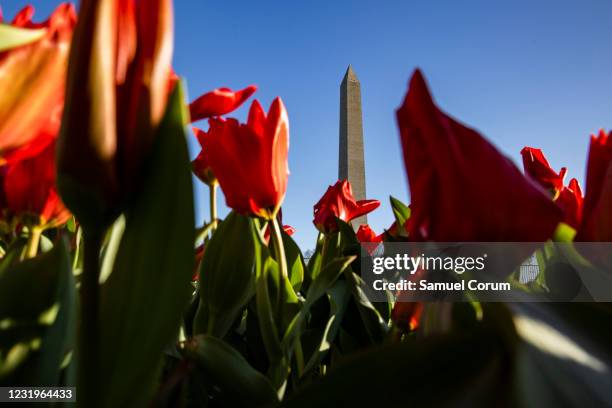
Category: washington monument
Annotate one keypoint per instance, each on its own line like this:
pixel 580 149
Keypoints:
pixel 351 163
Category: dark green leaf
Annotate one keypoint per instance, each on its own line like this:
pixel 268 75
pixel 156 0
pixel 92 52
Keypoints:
pixel 318 288
pixel 295 260
pixel 339 295
pixel 227 275
pixel 239 382
pixel 438 371
pixel 37 307
pixel 373 322
pixel 149 288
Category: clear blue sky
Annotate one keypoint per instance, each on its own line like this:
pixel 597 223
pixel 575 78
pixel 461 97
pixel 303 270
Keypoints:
pixel 523 72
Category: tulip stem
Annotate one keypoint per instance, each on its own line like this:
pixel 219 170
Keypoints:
pixel 33 241
pixel 280 258
pixel 213 207
pixel 90 327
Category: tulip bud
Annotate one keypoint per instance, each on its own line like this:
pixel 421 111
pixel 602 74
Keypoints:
pixel 117 92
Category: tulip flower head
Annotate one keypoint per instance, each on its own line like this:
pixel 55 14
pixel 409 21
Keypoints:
pixel 570 200
pixel 215 103
pixel 537 167
pixel 461 187
pixel 367 234
pixel 199 165
pixel 289 230
pixel 407 315
pixel 30 192
pixel 338 202
pixel 32 80
pixel 596 222
pixel 368 238
pixel 250 159
pixel 119 80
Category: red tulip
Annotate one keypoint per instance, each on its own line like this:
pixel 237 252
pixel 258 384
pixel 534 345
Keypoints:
pixel 367 234
pixel 199 254
pixel 537 167
pixel 597 211
pixel 570 200
pixel 200 165
pixel 32 80
pixel 407 315
pixel 250 160
pixel 30 192
pixel 368 238
pixel 287 228
pixel 462 188
pixel 338 202
pixel 118 85
pixel 219 102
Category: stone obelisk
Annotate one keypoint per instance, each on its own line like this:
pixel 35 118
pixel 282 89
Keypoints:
pixel 351 161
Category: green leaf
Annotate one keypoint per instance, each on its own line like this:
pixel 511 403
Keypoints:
pixel 563 356
pixel 564 233
pixel 316 259
pixel 459 370
pixel 12 37
pixel 318 288
pixel 240 383
pixel 266 316
pixel 375 325
pixel 149 288
pixel 226 275
pixel 295 260
pixel 37 311
pixel 339 295
pixel 402 213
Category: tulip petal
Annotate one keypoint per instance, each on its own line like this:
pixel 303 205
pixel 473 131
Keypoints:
pixel 219 102
pixel 462 188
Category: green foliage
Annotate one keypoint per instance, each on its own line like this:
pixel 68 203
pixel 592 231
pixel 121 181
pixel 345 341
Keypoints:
pixel 226 275
pixel 148 289
pixel 446 370
pixel 37 317
pixel 228 370
pixel 401 212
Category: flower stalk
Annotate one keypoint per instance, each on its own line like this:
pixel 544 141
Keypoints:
pixel 90 326
pixel 33 242
pixel 212 195
pixel 279 249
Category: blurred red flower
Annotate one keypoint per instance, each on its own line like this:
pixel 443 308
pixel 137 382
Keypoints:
pixel 287 228
pixel 367 234
pixel 32 80
pixel 368 238
pixel 462 188
pixel 537 167
pixel 199 165
pixel 119 80
pixel 406 315
pixel 597 210
pixel 338 202
pixel 219 102
pixel 570 200
pixel 250 160
pixel 30 192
